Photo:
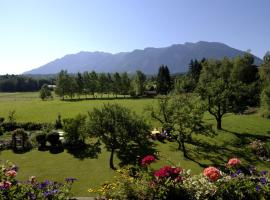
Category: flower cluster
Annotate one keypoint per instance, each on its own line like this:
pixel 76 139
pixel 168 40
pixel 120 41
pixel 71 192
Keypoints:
pixel 168 171
pixel 233 162
pixel 212 173
pixel 147 160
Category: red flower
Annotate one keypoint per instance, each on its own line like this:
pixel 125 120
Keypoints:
pixel 147 160
pixel 212 173
pixel 168 171
pixel 233 162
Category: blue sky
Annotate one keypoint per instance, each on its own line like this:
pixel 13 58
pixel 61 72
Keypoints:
pixel 34 32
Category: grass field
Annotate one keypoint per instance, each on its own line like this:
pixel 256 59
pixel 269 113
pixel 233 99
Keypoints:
pixel 29 107
pixel 238 131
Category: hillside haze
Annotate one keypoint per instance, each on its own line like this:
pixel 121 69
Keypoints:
pixel 148 60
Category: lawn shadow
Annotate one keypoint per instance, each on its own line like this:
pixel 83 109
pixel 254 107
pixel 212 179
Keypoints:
pixel 85 151
pixel 219 154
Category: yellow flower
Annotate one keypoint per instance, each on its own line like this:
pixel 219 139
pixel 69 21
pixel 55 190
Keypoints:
pixel 91 190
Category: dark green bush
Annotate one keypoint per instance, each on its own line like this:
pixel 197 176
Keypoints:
pixel 53 139
pixel 41 140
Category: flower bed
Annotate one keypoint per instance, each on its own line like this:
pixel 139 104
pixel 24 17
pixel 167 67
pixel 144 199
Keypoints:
pixel 11 188
pixel 234 181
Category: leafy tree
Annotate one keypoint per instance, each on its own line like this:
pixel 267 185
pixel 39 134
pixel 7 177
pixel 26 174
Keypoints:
pixel 265 79
pixel 75 130
pixel 195 68
pixel 80 84
pixel 163 80
pixel 181 116
pixel 117 128
pixel 45 92
pixel 117 84
pixel 102 83
pixel 125 84
pixel 222 92
pixel 138 83
pixel 62 83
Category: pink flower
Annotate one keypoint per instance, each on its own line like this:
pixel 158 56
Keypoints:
pixel 212 173
pixel 11 173
pixel 5 184
pixel 147 160
pixel 233 162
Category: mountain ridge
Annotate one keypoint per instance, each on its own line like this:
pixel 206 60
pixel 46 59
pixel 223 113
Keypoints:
pixel 148 60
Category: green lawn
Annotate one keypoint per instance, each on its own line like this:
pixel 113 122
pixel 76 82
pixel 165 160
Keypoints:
pixel 29 107
pixel 238 131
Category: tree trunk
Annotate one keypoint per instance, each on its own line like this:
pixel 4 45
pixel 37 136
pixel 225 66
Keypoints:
pixel 111 160
pixel 219 127
pixel 184 149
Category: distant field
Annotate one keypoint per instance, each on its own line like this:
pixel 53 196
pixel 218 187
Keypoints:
pixel 29 107
pixel 234 140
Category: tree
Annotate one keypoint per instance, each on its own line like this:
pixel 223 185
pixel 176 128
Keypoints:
pixel 181 116
pixel 138 83
pixel 45 92
pixel 117 84
pixel 80 84
pixel 222 92
pixel 62 84
pixel 265 79
pixel 163 80
pixel 117 128
pixel 125 85
pixel 75 130
pixel 195 68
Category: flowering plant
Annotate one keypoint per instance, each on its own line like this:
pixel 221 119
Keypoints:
pixel 10 188
pixel 233 162
pixel 212 173
pixel 147 160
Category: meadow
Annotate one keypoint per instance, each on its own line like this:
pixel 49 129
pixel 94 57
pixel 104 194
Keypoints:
pixel 238 131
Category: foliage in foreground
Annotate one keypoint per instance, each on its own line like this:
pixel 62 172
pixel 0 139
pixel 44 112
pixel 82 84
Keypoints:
pixel 235 181
pixel 11 188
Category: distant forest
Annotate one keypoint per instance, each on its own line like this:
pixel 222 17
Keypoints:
pixel 19 83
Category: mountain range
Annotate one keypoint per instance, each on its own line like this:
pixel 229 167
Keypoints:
pixel 148 60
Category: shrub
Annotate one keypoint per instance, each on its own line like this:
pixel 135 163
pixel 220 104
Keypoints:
pixel 41 140
pixel 20 140
pixel 53 139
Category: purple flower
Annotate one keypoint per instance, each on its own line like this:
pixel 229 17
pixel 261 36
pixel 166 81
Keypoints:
pixel 263 173
pixel 258 188
pixel 263 181
pixel 239 171
pixel 70 180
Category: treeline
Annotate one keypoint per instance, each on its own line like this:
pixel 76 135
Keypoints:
pixel 18 83
pixel 91 83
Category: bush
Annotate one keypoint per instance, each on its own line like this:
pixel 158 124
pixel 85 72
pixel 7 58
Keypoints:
pixel 41 140
pixel 261 149
pixel 29 126
pixel 53 139
pixel 11 188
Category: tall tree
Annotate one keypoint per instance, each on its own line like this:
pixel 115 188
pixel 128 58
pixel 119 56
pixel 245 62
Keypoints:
pixel 125 84
pixel 163 80
pixel 265 79
pixel 80 84
pixel 216 87
pixel 117 84
pixel 62 83
pixel 117 128
pixel 223 92
pixel 138 83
